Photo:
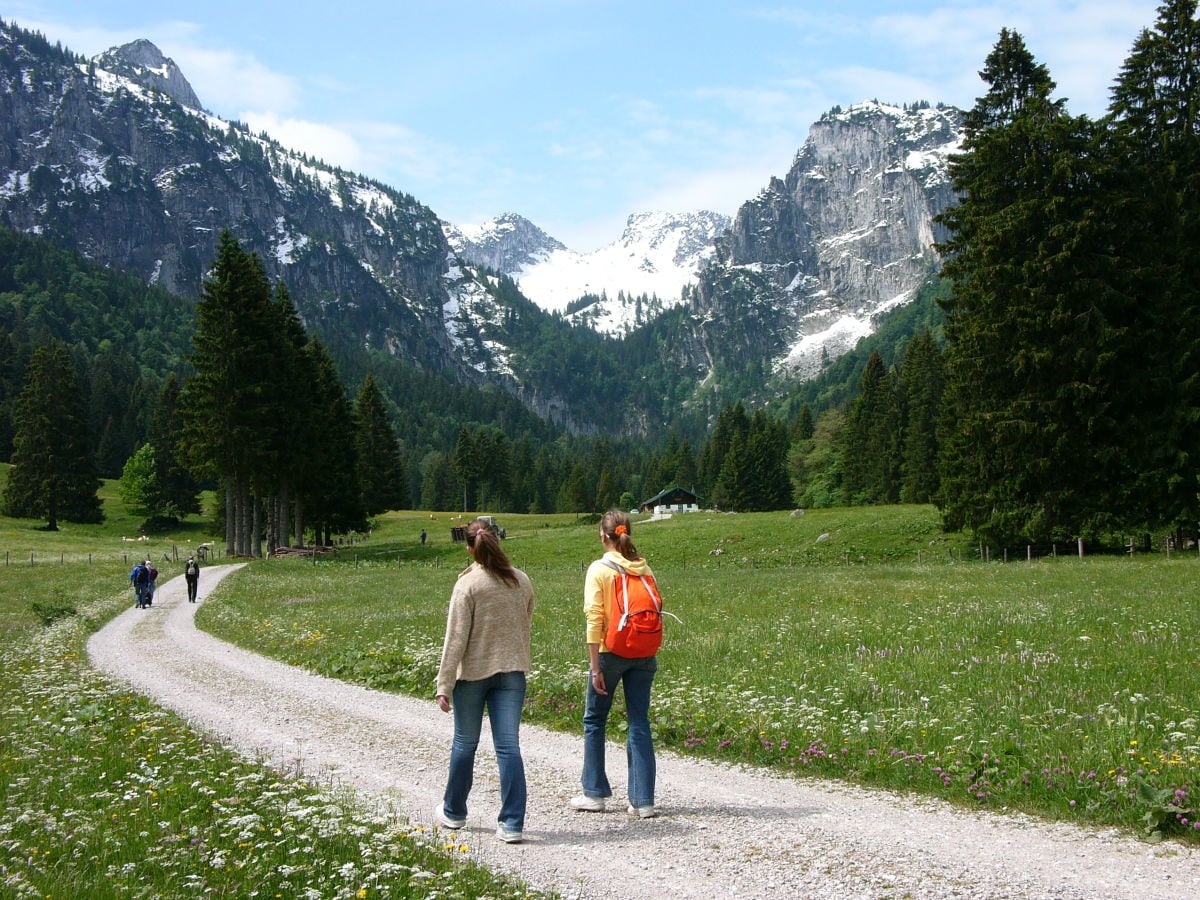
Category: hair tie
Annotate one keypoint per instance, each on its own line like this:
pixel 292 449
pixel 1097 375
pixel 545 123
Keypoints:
pixel 621 529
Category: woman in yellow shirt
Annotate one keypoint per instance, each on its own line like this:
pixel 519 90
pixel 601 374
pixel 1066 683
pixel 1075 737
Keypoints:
pixel 607 670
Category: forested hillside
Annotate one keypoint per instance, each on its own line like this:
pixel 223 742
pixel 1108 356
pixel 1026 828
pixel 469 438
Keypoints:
pixel 125 337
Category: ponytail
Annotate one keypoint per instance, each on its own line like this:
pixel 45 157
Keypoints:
pixel 486 548
pixel 618 529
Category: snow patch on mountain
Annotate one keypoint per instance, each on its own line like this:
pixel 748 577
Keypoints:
pixel 472 323
pixel 829 332
pixel 656 256
pixel 630 280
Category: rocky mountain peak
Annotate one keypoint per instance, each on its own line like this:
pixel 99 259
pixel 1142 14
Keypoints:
pixel 506 244
pixel 142 62
pixel 846 235
pixel 689 234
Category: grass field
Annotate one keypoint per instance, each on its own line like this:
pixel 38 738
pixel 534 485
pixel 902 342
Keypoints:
pixel 861 645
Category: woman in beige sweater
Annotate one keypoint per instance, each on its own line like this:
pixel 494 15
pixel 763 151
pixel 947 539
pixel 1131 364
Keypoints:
pixel 485 658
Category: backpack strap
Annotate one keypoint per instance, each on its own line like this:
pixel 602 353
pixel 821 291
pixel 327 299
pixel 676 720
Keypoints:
pixel 624 610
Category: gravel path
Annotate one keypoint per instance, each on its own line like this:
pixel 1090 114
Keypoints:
pixel 724 831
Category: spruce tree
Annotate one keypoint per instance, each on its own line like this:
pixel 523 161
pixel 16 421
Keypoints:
pixel 380 468
pixel 498 469
pixel 179 489
pixel 469 463
pixel 54 473
pixel 733 424
pixel 1030 435
pixel 331 495
pixel 921 384
pixel 871 440
pixel 286 435
pixel 1152 186
pixel 764 480
pixel 229 398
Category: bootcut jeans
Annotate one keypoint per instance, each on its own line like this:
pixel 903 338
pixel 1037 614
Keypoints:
pixel 503 694
pixel 637 676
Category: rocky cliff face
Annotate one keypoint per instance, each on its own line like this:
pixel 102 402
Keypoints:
pixel 143 63
pixel 846 235
pixel 115 158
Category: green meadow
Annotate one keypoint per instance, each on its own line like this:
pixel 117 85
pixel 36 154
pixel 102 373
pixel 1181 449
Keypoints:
pixel 859 645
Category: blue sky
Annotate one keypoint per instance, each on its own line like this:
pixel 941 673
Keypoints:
pixel 576 113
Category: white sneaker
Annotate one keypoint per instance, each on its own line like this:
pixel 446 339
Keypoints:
pixel 440 818
pixel 584 803
pixel 642 812
pixel 509 837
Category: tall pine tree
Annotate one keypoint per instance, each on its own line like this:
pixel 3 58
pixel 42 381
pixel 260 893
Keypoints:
pixel 1030 444
pixel 54 473
pixel 921 384
pixel 871 440
pixel 228 400
pixel 380 468
pixel 1153 188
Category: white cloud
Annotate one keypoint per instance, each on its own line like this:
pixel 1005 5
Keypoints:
pixel 228 80
pixel 319 140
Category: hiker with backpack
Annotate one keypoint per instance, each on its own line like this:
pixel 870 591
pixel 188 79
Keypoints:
pixel 485 658
pixel 139 577
pixel 152 582
pixel 624 629
pixel 191 574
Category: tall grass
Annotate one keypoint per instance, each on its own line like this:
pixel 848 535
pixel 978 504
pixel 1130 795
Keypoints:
pixel 840 644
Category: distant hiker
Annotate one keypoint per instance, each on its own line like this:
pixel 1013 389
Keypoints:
pixel 139 577
pixel 423 536
pixel 191 574
pixel 153 575
pixel 485 658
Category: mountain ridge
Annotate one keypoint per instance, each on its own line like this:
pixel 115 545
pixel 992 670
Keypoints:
pixel 122 169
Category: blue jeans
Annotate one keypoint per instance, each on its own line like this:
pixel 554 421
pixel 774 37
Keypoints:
pixel 637 676
pixel 503 694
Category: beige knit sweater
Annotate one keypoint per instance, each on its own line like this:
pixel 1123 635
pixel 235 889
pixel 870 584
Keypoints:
pixel 487 628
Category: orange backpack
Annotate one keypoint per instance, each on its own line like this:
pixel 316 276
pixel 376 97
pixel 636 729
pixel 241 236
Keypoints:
pixel 635 616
